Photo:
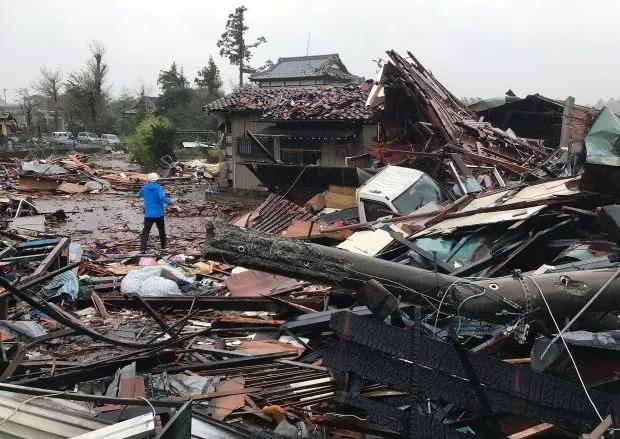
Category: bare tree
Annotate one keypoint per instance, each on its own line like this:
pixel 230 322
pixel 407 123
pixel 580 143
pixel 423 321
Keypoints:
pixel 50 86
pixel 91 81
pixel 27 107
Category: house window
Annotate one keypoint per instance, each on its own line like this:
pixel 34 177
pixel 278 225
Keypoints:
pixel 300 151
pixel 248 150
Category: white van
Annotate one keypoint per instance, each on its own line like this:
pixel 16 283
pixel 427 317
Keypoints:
pixel 396 190
pixel 61 136
pixel 87 137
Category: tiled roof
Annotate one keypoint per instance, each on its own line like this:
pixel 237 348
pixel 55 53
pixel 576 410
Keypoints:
pixel 306 67
pixel 334 102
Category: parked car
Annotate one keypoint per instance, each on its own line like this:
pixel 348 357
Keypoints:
pixel 61 136
pixel 110 139
pixel 87 137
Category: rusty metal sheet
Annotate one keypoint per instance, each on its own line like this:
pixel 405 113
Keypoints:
pixel 275 215
pixel 256 283
pixel 223 406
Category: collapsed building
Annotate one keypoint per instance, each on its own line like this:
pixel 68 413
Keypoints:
pixel 417 271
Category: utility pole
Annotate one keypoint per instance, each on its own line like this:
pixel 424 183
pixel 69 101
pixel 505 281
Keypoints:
pixel 308 45
pixel 4 89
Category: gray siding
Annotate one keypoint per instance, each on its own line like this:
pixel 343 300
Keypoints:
pixel 240 122
pixel 331 155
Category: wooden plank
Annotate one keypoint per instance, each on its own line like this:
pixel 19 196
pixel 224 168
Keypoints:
pixel 99 305
pixel 20 353
pixel 62 245
pixel 601 428
pixel 532 431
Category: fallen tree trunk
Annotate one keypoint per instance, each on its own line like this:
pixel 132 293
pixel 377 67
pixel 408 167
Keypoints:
pixel 566 293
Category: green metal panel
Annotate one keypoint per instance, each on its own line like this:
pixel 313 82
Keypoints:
pixel 602 141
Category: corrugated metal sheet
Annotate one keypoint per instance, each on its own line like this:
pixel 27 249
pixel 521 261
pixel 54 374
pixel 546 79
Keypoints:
pixel 43 419
pixel 274 215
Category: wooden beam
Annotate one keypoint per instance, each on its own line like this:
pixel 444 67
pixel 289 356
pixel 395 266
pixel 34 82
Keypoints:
pixel 601 428
pixel 52 256
pixel 532 431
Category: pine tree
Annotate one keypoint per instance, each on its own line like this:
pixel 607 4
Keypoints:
pixel 232 43
pixel 209 78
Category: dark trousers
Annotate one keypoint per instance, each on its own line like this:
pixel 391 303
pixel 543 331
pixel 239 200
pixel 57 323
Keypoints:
pixel 148 224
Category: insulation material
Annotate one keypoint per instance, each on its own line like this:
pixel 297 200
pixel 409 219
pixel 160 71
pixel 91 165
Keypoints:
pixel 367 242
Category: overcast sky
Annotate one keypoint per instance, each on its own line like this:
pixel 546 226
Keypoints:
pixel 476 48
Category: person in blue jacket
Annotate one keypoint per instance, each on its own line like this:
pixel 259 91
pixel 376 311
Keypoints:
pixel 155 201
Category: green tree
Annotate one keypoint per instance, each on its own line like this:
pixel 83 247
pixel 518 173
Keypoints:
pixel 152 140
pixel 123 125
pixel 176 94
pixel 233 45
pixel 209 78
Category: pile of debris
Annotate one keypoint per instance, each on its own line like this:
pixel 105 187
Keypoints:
pixel 465 288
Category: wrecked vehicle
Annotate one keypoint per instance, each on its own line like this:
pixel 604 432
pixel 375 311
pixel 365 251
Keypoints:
pixel 396 190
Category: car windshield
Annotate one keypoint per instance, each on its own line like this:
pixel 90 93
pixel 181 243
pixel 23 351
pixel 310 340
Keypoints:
pixel 423 191
pixel 112 137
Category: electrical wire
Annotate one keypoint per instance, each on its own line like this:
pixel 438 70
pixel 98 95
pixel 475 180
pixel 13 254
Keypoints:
pixel 27 401
pixel 149 403
pixel 585 389
pixel 458 309
pixel 441 302
pixel 296 180
pixel 580 313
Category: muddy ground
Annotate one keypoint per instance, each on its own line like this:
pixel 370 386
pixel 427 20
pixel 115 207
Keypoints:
pixel 115 218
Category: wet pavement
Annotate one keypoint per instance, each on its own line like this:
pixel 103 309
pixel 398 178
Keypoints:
pixel 118 216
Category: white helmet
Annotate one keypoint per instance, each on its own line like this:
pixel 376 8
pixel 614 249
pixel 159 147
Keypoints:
pixel 153 176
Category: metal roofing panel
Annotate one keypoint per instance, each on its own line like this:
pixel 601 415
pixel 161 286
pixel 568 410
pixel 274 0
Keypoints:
pixel 276 214
pixel 447 226
pixel 253 283
pixel 139 427
pixel 43 418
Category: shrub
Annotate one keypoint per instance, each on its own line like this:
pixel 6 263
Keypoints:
pixel 152 140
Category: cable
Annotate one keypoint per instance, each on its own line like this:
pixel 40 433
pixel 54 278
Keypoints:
pixel 458 309
pixel 580 313
pixel 585 389
pixel 149 403
pixel 26 402
pixel 344 415
pixel 294 182
pixel 440 303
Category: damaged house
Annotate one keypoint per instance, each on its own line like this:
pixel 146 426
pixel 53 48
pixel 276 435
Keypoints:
pixel 146 104
pixel 8 127
pixel 276 132
pixel 549 121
